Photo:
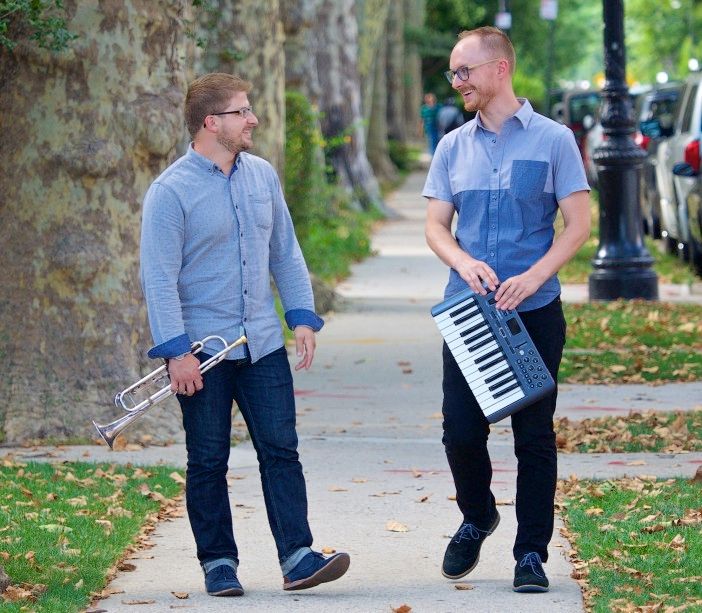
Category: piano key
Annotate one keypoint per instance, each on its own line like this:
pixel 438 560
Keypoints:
pixel 498 375
pixel 485 341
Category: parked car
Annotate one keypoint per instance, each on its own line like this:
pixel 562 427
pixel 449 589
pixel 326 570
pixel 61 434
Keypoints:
pixel 573 107
pixel 658 109
pixel 691 169
pixel 595 137
pixel 681 146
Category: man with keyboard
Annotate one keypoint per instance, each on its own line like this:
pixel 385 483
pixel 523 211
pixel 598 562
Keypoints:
pixel 505 174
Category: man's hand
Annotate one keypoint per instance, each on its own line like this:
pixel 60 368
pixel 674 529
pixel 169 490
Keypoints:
pixel 305 344
pixel 475 273
pixel 517 289
pixel 185 375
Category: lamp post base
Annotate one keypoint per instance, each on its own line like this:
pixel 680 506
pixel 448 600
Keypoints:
pixel 623 283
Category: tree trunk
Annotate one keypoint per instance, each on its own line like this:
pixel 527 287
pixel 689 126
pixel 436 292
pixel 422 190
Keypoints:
pixel 396 74
pixel 378 126
pixel 245 37
pixel 414 17
pixel 334 44
pixel 84 132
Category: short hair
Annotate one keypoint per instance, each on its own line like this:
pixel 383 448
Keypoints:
pixel 209 94
pixel 494 40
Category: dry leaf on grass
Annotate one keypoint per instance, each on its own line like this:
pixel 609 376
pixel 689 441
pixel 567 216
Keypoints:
pixel 403 608
pixel 181 595
pixel 463 586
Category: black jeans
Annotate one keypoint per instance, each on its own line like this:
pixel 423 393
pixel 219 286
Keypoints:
pixel 466 433
pixel 264 393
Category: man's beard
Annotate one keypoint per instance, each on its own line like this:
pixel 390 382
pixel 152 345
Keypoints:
pixel 233 146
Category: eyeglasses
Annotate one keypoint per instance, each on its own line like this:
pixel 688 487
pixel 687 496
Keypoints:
pixel 243 112
pixel 463 73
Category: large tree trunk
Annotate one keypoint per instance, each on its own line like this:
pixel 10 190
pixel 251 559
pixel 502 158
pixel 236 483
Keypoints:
pixel 245 37
pixel 334 44
pixel 82 134
pixel 373 17
pixel 396 74
pixel 414 18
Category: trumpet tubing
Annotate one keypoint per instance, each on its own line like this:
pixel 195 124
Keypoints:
pixel 110 431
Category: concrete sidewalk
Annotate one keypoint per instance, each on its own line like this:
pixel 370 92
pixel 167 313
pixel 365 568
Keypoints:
pixel 370 441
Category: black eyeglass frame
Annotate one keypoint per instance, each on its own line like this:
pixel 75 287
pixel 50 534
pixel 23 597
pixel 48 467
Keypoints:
pixel 451 74
pixel 243 112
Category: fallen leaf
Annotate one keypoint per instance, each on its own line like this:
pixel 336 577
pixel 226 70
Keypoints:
pixel 463 586
pixel 181 595
pixel 132 602
pixel 404 608
pixel 395 526
pixel 328 550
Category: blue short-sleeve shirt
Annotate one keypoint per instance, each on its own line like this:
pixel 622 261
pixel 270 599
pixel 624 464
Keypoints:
pixel 505 188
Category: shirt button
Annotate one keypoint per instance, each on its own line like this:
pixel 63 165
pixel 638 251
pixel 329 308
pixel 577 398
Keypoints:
pixel 493 170
pixel 491 227
pixel 246 291
pixel 494 141
pixel 492 254
pixel 243 263
pixel 245 319
pixel 242 234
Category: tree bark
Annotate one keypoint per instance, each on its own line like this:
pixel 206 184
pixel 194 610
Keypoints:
pixel 84 132
pixel 396 74
pixel 414 17
pixel 245 37
pixel 334 43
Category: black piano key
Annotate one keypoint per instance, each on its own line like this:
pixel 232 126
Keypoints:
pixel 497 386
pixel 482 343
pixel 466 317
pixel 480 334
pixel 463 308
pixel 506 390
pixel 489 365
pixel 472 329
pixel 498 375
pixel 488 355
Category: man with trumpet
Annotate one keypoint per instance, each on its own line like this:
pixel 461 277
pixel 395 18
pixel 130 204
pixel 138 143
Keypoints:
pixel 215 228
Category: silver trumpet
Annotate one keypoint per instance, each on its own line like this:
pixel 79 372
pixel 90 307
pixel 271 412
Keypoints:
pixel 125 400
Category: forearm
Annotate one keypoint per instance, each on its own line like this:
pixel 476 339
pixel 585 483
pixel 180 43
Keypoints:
pixel 564 247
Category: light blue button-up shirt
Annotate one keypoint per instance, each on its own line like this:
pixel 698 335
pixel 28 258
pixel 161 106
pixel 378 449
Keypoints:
pixel 209 246
pixel 505 188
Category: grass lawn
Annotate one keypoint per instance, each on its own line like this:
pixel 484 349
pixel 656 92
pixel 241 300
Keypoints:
pixel 637 543
pixel 648 431
pixel 64 528
pixel 632 342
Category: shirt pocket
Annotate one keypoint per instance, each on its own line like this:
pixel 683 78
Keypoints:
pixel 528 180
pixel 262 212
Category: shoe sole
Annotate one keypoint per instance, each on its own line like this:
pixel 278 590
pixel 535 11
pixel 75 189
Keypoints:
pixel 230 591
pixel 464 573
pixel 336 568
pixel 527 589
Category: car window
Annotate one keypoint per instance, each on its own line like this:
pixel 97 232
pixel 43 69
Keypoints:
pixel 582 105
pixel 689 107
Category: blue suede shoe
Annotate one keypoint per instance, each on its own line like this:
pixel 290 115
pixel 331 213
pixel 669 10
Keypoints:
pixel 222 581
pixel 314 569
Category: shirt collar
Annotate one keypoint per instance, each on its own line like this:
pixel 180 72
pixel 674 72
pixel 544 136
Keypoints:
pixel 206 163
pixel 524 114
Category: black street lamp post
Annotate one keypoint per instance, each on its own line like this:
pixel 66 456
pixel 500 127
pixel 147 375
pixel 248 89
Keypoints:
pixel 622 263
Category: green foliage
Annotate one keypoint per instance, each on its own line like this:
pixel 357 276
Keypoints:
pixel 65 526
pixel 331 234
pixel 41 21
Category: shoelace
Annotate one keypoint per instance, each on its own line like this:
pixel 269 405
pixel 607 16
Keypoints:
pixel 534 560
pixel 467 531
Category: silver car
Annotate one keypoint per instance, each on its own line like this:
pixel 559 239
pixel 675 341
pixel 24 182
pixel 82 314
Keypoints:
pixel 682 146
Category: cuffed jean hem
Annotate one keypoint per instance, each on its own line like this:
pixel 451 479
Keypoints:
pixel 293 560
pixel 210 564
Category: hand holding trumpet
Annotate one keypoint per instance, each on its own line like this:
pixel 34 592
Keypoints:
pixel 185 375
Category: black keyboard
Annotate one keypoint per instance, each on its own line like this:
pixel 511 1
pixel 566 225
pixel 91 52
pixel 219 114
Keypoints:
pixel 494 352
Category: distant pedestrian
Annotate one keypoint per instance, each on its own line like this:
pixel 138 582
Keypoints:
pixel 506 174
pixel 449 117
pixel 428 113
pixel 215 231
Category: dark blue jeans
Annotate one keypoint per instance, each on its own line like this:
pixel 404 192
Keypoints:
pixel 264 393
pixel 466 433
